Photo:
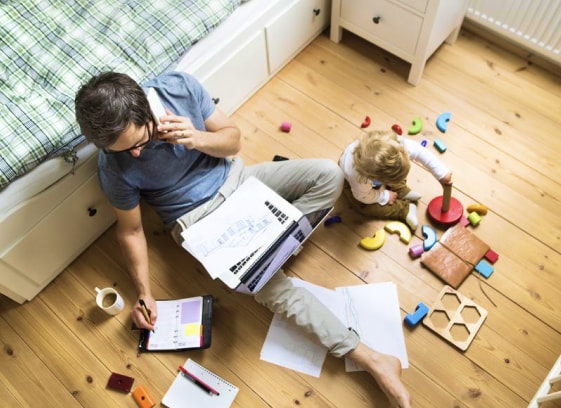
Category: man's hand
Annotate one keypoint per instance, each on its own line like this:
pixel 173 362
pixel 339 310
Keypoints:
pixel 138 317
pixel 178 130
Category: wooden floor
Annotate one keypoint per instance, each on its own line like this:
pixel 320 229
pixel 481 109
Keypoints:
pixel 504 146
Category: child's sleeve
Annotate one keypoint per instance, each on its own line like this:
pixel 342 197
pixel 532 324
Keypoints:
pixel 362 191
pixel 426 158
pixel 368 195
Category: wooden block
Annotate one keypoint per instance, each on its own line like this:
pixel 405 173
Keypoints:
pixel 285 127
pixel 474 218
pixel 455 317
pixel 439 145
pixel 430 237
pixel 120 382
pixel 400 228
pixel 446 265
pixel 416 251
pixel 484 268
pixel 412 319
pixel 492 256
pixel 374 242
pixel 464 243
pixel 142 398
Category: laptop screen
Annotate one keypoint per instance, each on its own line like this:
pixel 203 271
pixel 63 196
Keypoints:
pixel 274 259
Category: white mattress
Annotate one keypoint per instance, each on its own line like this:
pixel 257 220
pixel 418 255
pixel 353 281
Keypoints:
pixel 41 178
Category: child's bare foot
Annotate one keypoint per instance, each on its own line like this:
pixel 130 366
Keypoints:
pixel 386 370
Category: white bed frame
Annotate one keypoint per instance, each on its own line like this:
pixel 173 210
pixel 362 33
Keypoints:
pixel 41 235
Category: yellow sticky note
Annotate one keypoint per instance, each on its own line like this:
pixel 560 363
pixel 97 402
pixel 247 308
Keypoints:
pixel 193 329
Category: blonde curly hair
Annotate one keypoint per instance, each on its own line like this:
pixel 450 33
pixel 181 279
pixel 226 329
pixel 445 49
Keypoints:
pixel 379 156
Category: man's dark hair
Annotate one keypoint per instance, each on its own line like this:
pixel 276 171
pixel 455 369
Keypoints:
pixel 107 105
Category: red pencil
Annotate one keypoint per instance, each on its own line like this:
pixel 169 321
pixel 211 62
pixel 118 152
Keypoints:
pixel 200 383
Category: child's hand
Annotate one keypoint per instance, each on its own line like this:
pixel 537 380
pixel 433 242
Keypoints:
pixel 447 179
pixel 393 197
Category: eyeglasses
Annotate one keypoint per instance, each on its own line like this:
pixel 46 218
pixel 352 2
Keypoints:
pixel 141 144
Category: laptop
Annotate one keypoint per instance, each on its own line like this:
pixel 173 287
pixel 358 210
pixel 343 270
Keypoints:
pixel 250 236
pixel 256 277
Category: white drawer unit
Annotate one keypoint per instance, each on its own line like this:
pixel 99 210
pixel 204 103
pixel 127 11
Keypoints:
pixel 29 263
pixel 239 74
pixel 233 69
pixel 410 29
pixel 293 29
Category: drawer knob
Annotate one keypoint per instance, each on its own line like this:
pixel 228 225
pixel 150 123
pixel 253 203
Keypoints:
pixel 376 19
pixel 92 211
pixel 317 11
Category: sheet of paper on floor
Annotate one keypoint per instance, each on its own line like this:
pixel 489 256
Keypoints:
pixel 289 346
pixel 372 310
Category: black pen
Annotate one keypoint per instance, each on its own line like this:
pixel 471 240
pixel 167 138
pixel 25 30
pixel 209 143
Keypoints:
pixel 145 311
pixel 201 384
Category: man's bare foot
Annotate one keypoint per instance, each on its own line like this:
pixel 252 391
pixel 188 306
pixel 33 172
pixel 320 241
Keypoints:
pixel 386 370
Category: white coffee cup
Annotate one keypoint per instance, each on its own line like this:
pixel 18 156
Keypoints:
pixel 109 300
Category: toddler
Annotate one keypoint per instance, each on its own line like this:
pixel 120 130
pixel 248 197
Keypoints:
pixel 376 168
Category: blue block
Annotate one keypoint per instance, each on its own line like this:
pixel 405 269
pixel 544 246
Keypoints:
pixel 484 268
pixel 332 220
pixel 442 121
pixel 412 319
pixel 430 237
pixel 440 146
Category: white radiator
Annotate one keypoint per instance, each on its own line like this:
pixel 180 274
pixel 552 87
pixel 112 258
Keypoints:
pixel 534 24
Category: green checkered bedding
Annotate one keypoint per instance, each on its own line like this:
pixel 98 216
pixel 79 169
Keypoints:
pixel 48 48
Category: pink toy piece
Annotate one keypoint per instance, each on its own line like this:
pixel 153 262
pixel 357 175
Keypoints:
pixel 416 251
pixel 286 126
pixel 492 256
pixel 464 221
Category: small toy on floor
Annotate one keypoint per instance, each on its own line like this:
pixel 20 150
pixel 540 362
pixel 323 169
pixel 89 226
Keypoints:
pixel 366 122
pixel 455 317
pixel 332 220
pixel 442 121
pixel 374 242
pixel 412 319
pixel 285 127
pixel 416 127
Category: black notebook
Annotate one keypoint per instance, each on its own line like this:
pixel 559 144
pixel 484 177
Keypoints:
pixel 182 324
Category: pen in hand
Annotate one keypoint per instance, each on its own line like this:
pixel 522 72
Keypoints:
pixel 145 312
pixel 198 382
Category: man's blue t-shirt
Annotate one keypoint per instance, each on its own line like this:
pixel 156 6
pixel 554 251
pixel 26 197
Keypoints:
pixel 170 178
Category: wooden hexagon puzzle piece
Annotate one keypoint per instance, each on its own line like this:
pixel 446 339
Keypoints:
pixel 455 317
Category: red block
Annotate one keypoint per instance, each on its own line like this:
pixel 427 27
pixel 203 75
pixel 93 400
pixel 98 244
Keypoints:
pixel 492 256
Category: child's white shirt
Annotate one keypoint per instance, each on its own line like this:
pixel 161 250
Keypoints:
pixel 364 192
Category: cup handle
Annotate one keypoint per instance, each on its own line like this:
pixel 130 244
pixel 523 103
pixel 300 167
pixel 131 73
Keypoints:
pixel 97 290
